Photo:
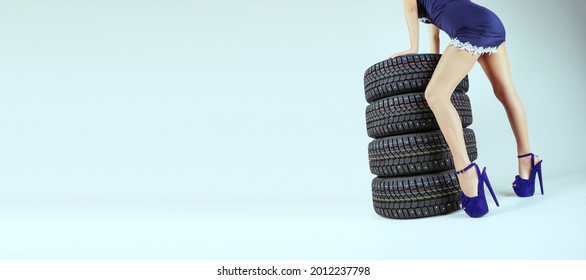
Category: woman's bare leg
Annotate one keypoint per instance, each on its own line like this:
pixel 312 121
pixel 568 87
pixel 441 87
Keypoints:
pixel 497 69
pixel 453 66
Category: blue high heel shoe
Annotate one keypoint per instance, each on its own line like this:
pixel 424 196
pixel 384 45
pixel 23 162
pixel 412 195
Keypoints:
pixel 526 187
pixel 476 206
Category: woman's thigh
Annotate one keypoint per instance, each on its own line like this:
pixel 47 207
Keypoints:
pixel 497 69
pixel 451 69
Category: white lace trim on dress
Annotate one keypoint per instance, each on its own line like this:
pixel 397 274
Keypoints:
pixel 471 48
pixel 424 20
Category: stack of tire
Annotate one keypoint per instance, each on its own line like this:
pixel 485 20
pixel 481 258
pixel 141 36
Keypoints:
pixel 412 161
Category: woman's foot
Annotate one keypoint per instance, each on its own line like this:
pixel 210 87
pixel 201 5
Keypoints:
pixel 469 181
pixel 525 166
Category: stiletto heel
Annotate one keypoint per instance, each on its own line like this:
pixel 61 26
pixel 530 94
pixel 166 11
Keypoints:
pixel 526 187
pixel 540 180
pixel 490 187
pixel 476 206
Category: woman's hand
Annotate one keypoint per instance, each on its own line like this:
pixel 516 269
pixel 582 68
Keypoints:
pixel 410 11
pixel 409 51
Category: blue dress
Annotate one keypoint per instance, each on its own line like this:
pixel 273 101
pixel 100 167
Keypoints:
pixel 470 26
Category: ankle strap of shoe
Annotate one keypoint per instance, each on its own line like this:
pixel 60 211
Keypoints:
pixel 466 168
pixel 529 154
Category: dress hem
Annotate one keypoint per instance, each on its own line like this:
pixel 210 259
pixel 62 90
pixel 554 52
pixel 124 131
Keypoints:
pixel 472 48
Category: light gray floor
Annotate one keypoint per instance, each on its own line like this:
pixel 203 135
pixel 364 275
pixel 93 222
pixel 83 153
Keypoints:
pixel 541 227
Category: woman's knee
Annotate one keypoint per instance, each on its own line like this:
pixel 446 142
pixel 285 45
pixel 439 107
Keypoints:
pixel 503 93
pixel 434 95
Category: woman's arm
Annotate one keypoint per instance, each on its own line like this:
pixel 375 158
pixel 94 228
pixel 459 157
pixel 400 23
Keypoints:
pixel 410 11
pixel 434 38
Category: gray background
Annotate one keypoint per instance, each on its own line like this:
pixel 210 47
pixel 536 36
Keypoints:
pixel 237 108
